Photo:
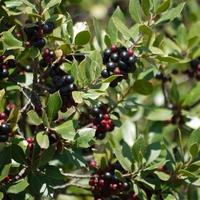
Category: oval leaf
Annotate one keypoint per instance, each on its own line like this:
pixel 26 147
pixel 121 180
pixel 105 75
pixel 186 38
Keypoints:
pixel 43 139
pixel 82 38
pixel 143 87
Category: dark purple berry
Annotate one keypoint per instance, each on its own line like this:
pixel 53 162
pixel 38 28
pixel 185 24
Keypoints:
pixel 107 176
pixel 124 56
pixel 114 57
pixel 28 68
pixel 64 91
pixel 59 84
pixel 111 66
pixel 4 128
pixel 72 87
pixel 113 83
pixel 40 43
pixel 3 138
pixel 131 60
pixel 55 79
pixel 48 27
pixel 107 53
pixel 100 135
pixel 4 73
pixel 12 63
pixel 122 64
pixel 95 112
pixel 43 63
pixel 105 73
pixel 68 79
pixel 120 49
pixel 52 54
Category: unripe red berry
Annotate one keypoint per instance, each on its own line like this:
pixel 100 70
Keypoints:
pixel 113 48
pixel 130 52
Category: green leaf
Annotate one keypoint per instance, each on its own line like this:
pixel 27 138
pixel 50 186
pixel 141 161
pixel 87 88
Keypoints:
pixel 67 129
pixel 53 172
pixel 28 3
pixel 42 139
pixel 41 184
pixel 153 158
pixel 1 195
pixel 77 96
pixel 156 4
pixel 84 137
pixel 34 52
pixel 139 148
pixel 170 14
pixel 194 149
pixel 192 96
pixel 174 93
pixel 152 152
pixel 160 114
pixel 5 171
pixel 143 87
pixel 96 64
pixel 53 106
pixel 76 159
pixel 181 36
pixel 18 154
pixel 146 7
pixel 146 29
pixel 10 42
pixel 97 30
pixel 135 10
pixel 33 118
pixel 121 27
pixel 169 59
pixel 82 38
pixel 124 161
pixel 110 79
pixel 112 30
pixel 163 7
pixel 50 4
pixel 18 187
pixel 46 155
pixel 194 138
pixel 162 175
pixel 187 173
pixel 101 160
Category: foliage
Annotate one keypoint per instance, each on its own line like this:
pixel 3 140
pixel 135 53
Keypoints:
pixel 66 124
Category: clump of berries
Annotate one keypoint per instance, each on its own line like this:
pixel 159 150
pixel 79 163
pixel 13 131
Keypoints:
pixel 36 31
pixel 105 184
pixel 101 120
pixel 4 131
pixel 194 71
pixel 5 65
pixel 164 78
pixel 118 60
pixel 48 56
pixel 65 85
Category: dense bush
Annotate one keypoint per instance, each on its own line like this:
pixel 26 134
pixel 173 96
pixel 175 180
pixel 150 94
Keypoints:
pixel 99 107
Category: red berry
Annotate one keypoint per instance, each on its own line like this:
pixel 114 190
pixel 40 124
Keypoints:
pixel 93 163
pixel 113 48
pixel 92 182
pixel 4 67
pixel 106 116
pixel 19 35
pixel 103 122
pixel 107 127
pixel 44 55
pixel 7 178
pixel 30 145
pixel 48 59
pixel 101 182
pixel 130 52
pixel 11 134
pixel 117 71
pixel 2 115
pixel 29 140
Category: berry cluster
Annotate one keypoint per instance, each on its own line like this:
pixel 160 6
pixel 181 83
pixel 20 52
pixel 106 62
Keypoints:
pixel 118 60
pixel 194 71
pixel 106 184
pixel 101 121
pixel 48 56
pixel 160 76
pixel 4 66
pixel 36 31
pixel 65 85
pixel 4 131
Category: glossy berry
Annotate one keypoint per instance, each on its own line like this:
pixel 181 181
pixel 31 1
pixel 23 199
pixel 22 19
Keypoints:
pixel 130 52
pixel 95 111
pixel 68 79
pixel 4 73
pixel 4 128
pixel 40 43
pixel 12 63
pixel 105 73
pixel 3 138
pixel 111 66
pixel 48 27
pixel 114 57
pixel 72 87
pixel 28 68
pixel 107 53
pixel 107 176
pixel 43 63
pixel 122 64
pixel 52 54
pixel 113 48
pixel 29 140
pixel 100 135
pixel 124 56
pixel 131 60
pixel 93 163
